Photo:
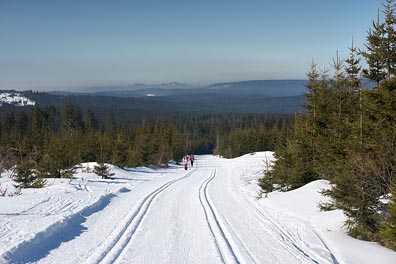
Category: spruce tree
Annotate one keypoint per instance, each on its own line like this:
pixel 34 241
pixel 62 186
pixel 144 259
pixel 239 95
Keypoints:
pixel 370 153
pixel 26 177
pixel 298 156
pixel 374 53
pixel 120 148
pixel 91 123
pixel 389 38
pixel 353 69
pixel 388 226
pixel 103 171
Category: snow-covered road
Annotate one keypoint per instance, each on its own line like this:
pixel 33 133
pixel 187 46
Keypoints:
pixel 208 214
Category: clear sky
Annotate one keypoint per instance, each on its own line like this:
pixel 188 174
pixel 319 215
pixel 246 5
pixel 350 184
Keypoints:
pixel 55 44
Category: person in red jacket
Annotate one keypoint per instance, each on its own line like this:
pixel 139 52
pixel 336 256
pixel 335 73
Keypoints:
pixel 192 160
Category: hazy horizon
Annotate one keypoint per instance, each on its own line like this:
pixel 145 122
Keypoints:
pixel 57 45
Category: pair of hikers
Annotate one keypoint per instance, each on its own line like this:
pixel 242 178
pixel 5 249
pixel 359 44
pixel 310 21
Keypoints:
pixel 187 159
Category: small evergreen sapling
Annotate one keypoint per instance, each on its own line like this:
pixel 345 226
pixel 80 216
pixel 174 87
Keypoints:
pixel 103 171
pixel 26 177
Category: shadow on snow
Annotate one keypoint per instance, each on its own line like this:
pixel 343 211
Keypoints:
pixel 51 238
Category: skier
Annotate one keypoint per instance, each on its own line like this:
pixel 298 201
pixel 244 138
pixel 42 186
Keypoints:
pixel 185 162
pixel 192 160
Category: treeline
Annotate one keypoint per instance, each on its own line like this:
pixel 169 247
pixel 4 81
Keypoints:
pixel 50 141
pixel 348 136
pixel 55 140
pixel 257 137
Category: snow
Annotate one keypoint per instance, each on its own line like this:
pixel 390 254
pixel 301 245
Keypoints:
pixel 207 214
pixel 15 99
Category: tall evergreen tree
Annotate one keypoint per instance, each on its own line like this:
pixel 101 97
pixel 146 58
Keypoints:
pixel 389 39
pixel 374 53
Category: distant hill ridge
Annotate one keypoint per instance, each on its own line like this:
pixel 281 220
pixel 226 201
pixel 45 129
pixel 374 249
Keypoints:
pixel 270 88
pixel 257 96
pixel 263 88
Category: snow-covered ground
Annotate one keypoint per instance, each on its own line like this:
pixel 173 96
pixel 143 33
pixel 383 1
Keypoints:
pixel 15 99
pixel 207 214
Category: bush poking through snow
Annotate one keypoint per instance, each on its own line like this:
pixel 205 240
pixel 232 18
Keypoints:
pixel 103 171
pixel 5 192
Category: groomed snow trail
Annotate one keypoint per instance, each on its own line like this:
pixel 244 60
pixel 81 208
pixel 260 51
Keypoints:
pixel 196 216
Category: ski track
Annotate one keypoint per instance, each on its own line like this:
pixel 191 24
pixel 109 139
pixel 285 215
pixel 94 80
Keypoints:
pixel 333 257
pixel 223 243
pixel 229 245
pixel 281 236
pixel 293 239
pixel 111 251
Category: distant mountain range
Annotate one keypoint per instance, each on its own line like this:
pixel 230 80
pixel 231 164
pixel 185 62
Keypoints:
pixel 262 88
pixel 173 98
pixel 267 88
pixel 134 87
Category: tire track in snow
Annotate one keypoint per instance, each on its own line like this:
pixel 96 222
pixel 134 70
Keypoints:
pixel 109 252
pixel 223 245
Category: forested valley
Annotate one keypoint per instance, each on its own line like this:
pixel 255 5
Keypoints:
pixel 51 141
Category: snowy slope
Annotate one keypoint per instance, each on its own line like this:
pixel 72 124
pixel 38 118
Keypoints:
pixel 16 99
pixel 208 214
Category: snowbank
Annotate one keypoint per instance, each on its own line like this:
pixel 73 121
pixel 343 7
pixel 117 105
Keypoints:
pixel 303 204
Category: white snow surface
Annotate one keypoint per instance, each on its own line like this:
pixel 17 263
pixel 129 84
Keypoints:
pixel 207 214
pixel 15 99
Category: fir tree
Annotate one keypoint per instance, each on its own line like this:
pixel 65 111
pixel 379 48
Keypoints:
pixel 353 68
pixel 374 53
pixel 388 226
pixel 26 177
pixel 120 147
pixel 389 39
pixel 103 171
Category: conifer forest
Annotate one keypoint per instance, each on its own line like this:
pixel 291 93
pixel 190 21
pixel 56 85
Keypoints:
pixel 348 135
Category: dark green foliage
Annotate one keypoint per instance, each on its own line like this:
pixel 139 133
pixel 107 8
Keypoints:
pixel 374 54
pixel 103 171
pixel 298 155
pixel 357 193
pixel 62 138
pixel 252 135
pixel 26 177
pixel 8 158
pixel 348 136
pixel 388 226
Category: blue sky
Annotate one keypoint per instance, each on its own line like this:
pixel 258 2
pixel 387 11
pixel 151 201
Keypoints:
pixel 53 44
